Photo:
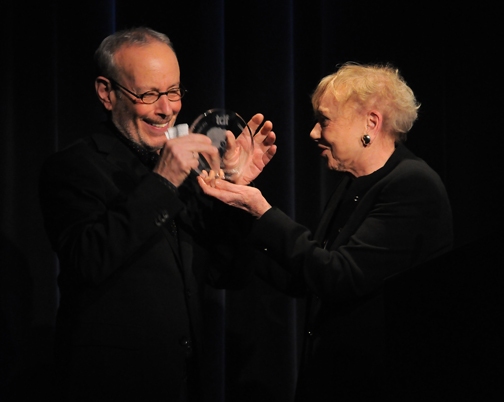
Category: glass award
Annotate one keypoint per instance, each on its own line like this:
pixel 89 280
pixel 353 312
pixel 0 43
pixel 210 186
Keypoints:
pixel 230 134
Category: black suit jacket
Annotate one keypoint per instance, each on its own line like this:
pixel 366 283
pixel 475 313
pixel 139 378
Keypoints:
pixel 129 320
pixel 398 217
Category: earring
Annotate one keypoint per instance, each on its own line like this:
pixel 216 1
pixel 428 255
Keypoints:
pixel 366 139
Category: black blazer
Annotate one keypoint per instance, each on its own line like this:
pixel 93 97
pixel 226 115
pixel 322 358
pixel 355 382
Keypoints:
pixel 129 320
pixel 399 217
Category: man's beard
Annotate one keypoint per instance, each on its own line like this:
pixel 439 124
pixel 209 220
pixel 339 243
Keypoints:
pixel 124 122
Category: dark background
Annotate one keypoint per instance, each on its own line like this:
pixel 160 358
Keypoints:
pixel 266 56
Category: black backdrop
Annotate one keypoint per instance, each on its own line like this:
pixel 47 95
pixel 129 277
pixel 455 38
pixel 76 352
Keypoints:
pixel 250 56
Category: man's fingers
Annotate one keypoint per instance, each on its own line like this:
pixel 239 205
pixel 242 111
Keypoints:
pixel 230 141
pixel 255 122
pixel 268 155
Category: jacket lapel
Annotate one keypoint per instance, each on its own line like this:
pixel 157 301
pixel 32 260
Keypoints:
pixel 324 224
pixel 121 156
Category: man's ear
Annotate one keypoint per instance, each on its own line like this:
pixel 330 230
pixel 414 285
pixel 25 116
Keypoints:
pixel 103 88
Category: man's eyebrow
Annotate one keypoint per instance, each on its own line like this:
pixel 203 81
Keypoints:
pixel 174 86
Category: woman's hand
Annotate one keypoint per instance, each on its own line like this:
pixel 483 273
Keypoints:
pixel 244 197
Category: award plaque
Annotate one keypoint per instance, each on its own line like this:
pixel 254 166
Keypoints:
pixel 230 134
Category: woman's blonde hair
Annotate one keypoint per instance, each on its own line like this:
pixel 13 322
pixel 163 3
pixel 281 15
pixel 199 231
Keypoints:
pixel 373 86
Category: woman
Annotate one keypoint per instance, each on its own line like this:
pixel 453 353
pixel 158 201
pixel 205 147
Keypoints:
pixel 389 212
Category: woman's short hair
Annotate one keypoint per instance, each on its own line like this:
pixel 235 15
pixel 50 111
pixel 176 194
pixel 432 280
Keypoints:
pixel 377 86
pixel 139 36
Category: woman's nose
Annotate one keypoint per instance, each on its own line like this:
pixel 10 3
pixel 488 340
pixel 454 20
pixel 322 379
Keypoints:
pixel 315 132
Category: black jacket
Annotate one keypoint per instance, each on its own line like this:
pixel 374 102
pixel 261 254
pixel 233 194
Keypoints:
pixel 129 320
pixel 373 227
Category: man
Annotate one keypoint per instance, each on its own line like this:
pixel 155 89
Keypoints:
pixel 134 234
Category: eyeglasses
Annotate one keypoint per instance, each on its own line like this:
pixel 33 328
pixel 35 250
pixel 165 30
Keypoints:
pixel 150 97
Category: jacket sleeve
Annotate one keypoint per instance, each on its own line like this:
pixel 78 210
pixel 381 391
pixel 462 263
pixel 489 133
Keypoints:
pixel 402 221
pixel 97 216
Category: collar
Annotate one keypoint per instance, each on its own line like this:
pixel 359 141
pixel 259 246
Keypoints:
pixel 148 157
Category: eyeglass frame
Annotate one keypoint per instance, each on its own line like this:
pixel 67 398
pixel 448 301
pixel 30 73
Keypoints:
pixel 180 90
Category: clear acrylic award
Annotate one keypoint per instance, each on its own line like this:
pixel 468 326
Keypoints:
pixel 230 134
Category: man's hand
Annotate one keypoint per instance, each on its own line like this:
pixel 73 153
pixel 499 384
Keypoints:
pixel 243 160
pixel 181 155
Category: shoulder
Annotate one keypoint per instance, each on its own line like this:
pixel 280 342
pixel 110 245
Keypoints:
pixel 79 147
pixel 87 150
pixel 90 162
pixel 410 167
pixel 413 177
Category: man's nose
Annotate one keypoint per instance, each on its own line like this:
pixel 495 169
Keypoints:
pixel 164 106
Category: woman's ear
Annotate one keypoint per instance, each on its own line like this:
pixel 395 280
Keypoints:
pixel 103 88
pixel 374 122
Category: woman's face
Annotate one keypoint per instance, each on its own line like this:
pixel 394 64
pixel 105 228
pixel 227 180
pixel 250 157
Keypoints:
pixel 338 132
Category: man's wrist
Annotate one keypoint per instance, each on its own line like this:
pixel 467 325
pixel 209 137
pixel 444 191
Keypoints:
pixel 167 183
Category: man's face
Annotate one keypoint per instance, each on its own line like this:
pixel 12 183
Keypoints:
pixel 152 67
